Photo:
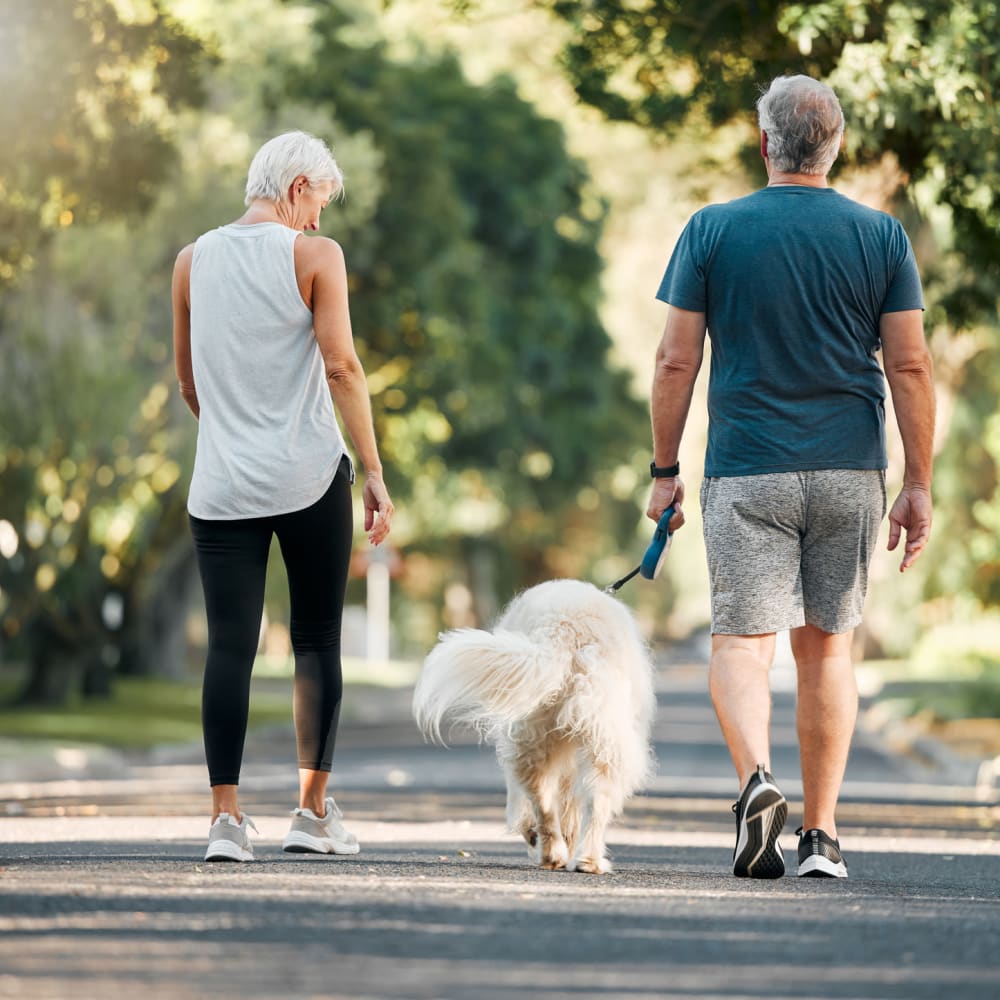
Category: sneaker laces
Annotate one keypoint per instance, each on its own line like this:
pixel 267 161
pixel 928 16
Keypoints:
pixel 247 821
pixel 330 807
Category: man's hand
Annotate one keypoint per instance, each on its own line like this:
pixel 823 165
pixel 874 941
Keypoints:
pixel 667 492
pixel 911 512
pixel 378 508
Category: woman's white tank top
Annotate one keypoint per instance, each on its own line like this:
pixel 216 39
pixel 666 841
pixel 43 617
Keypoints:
pixel 268 440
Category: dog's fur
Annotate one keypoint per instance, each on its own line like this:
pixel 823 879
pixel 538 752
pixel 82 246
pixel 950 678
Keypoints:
pixel 563 688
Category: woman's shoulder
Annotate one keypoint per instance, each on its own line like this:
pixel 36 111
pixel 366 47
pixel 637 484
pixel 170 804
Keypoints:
pixel 184 258
pixel 320 248
pixel 316 253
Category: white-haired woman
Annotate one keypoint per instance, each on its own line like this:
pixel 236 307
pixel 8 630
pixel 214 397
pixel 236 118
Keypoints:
pixel 262 341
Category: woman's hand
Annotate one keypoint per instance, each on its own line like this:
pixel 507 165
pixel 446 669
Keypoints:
pixel 378 508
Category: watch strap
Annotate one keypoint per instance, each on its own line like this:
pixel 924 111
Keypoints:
pixel 664 471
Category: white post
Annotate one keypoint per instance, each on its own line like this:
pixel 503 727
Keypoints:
pixel 377 612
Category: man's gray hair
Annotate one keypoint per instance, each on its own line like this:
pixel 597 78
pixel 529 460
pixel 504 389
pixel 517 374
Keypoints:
pixel 293 154
pixel 804 124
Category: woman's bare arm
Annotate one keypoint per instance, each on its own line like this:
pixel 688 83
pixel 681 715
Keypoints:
pixel 324 259
pixel 181 296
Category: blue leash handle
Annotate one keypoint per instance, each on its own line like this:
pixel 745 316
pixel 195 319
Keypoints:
pixel 652 561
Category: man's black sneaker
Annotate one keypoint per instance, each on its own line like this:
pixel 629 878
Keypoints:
pixel 819 855
pixel 760 815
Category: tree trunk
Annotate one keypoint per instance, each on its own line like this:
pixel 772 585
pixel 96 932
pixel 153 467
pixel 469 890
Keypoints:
pixel 98 677
pixel 53 674
pixel 481 566
pixel 155 641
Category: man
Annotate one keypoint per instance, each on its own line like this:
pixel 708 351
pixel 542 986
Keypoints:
pixel 798 288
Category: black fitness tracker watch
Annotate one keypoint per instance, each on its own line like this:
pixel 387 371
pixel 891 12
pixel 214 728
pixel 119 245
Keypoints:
pixel 664 471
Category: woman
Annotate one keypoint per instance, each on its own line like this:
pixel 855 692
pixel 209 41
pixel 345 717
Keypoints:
pixel 262 341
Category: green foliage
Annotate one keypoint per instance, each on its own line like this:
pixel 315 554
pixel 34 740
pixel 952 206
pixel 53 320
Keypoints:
pixel 922 88
pixel 88 467
pixel 658 64
pixel 85 96
pixel 966 552
pixel 85 477
pixel 916 80
pixel 474 291
pixel 143 713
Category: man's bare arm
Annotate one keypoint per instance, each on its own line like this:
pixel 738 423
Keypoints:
pixel 909 371
pixel 678 361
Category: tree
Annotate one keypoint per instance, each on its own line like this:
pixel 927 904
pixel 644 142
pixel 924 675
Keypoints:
pixel 83 463
pixel 475 286
pixel 85 92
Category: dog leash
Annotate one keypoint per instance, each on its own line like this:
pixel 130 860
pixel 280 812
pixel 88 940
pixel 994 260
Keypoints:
pixel 653 559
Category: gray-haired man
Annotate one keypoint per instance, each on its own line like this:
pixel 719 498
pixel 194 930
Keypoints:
pixel 798 288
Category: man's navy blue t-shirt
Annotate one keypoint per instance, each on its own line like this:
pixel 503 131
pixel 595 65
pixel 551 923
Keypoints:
pixel 793 280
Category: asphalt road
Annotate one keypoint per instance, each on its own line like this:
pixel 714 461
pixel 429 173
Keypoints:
pixel 103 893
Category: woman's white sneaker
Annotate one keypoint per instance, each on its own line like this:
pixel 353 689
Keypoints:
pixel 229 840
pixel 312 834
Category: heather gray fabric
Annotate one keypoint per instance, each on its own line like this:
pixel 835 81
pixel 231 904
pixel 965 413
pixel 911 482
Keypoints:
pixel 268 440
pixel 790 548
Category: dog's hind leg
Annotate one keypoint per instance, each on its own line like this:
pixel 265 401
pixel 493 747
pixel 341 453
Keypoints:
pixel 569 811
pixel 540 775
pixel 595 792
pixel 551 845
pixel 520 814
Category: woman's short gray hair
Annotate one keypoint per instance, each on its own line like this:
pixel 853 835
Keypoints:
pixel 293 154
pixel 804 124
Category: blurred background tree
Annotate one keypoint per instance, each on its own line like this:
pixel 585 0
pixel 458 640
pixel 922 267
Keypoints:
pixel 87 94
pixel 86 116
pixel 516 176
pixel 475 286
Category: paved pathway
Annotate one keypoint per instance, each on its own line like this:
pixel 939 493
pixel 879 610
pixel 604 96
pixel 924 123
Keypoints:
pixel 102 893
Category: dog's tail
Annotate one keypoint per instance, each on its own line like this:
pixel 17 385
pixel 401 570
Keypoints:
pixel 485 680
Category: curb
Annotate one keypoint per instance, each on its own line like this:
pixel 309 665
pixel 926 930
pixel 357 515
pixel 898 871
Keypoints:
pixel 60 761
pixel 903 736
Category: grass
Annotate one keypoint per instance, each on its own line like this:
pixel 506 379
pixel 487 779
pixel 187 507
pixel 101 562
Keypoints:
pixel 147 712
pixel 961 687
pixel 141 713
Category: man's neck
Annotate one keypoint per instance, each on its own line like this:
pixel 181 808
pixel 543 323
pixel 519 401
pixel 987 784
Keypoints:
pixel 778 178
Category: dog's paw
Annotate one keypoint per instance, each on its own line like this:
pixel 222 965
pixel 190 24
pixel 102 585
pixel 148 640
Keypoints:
pixel 534 848
pixel 590 866
pixel 556 856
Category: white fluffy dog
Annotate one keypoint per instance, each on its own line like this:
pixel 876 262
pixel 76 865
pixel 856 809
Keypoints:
pixel 563 688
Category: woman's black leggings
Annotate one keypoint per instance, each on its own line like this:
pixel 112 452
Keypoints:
pixel 232 559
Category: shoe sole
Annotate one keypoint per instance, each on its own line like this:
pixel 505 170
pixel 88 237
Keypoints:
pixel 818 866
pixel 226 850
pixel 303 843
pixel 757 853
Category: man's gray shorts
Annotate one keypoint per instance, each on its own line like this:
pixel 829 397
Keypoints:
pixel 790 548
